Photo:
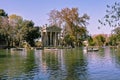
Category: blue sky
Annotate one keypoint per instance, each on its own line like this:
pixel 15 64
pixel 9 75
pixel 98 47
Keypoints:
pixel 37 10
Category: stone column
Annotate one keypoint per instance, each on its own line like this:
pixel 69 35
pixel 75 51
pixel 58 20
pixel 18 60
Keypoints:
pixel 50 38
pixel 42 39
pixel 55 39
pixel 46 38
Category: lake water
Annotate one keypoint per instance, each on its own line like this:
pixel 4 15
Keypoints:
pixel 61 64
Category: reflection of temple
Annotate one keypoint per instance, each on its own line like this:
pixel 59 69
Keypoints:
pixel 49 35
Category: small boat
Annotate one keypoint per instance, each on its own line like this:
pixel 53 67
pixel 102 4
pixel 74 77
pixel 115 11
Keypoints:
pixel 92 49
pixel 95 49
pixel 39 48
pixel 17 49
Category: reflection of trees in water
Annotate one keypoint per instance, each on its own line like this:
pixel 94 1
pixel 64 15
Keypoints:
pixel 51 60
pixel 30 62
pixel 76 65
pixel 16 66
pixel 10 65
pixel 101 52
pixel 117 57
pixel 56 65
pixel 66 64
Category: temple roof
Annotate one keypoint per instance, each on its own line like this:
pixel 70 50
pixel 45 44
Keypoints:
pixel 51 29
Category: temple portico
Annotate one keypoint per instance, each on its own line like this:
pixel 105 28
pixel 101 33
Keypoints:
pixel 50 36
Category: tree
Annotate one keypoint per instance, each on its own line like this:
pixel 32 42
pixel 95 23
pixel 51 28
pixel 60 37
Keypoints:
pixel 22 30
pixel 99 40
pixel 15 22
pixel 69 40
pixel 113 40
pixel 4 27
pixel 116 30
pixel 115 37
pixel 91 42
pixel 112 17
pixel 30 32
pixel 73 24
pixel 3 13
pixel 14 30
pixel 81 35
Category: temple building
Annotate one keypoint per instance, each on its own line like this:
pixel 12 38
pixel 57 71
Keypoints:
pixel 50 35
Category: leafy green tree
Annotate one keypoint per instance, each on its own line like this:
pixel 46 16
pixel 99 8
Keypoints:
pixel 3 13
pixel 69 39
pixel 115 37
pixel 23 30
pixel 82 34
pixel 99 40
pixel 30 32
pixel 14 30
pixel 91 42
pixel 113 40
pixel 117 32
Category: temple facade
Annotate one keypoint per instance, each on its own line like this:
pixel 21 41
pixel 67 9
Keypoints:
pixel 50 35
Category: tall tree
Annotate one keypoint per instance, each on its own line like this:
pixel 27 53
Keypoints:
pixel 4 26
pixel 30 32
pixel 3 21
pixel 72 23
pixel 15 22
pixel 22 30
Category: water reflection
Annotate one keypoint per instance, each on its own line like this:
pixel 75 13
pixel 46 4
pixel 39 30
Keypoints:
pixel 16 65
pixel 103 67
pixel 61 64
pixel 116 54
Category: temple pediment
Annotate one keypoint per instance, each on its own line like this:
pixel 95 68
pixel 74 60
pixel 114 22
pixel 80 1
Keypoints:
pixel 53 29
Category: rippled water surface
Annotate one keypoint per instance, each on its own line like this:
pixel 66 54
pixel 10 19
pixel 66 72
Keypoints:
pixel 61 64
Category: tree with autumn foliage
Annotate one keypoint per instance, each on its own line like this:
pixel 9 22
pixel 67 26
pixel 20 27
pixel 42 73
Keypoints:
pixel 71 22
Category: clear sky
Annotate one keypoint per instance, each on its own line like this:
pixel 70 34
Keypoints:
pixel 37 10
